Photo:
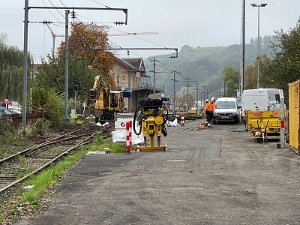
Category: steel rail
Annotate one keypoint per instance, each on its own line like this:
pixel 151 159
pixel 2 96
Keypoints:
pixel 37 147
pixel 84 142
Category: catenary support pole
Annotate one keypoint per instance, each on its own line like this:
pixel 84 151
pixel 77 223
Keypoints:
pixel 154 73
pixel 25 58
pixel 174 91
pixel 66 64
pixel 197 99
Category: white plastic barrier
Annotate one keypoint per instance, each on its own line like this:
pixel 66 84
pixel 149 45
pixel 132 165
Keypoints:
pixel 120 135
pixel 120 129
pixel 172 124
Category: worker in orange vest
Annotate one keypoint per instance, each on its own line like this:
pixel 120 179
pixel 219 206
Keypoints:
pixel 209 111
pixel 206 110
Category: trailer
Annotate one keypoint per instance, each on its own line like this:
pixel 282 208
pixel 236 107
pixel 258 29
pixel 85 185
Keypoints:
pixel 263 125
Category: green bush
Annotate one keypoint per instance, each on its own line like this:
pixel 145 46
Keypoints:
pixel 40 127
pixel 50 103
pixel 55 109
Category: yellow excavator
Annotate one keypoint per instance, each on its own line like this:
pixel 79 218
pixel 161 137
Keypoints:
pixel 105 103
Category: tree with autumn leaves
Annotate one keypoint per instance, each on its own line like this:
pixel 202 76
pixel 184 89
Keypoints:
pixel 88 58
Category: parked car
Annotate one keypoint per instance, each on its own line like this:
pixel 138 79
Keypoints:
pixel 226 109
pixel 4 111
pixel 5 114
pixel 15 111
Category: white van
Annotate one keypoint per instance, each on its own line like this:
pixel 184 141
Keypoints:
pixel 262 99
pixel 226 109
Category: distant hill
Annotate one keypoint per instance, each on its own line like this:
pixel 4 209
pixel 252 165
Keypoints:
pixel 203 64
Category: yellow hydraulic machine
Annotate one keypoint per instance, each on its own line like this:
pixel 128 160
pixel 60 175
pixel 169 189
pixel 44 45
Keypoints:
pixel 153 123
pixel 106 103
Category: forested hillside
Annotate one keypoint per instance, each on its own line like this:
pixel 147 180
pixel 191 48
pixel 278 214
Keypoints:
pixel 203 64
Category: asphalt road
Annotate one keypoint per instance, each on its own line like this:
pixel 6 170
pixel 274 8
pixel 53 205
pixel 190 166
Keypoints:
pixel 215 175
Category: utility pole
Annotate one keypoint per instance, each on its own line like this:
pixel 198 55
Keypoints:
pixel 242 63
pixel 174 91
pixel 197 94
pixel 154 72
pixel 225 90
pixel 187 92
pixel 197 101
pixel 25 57
pixel 66 65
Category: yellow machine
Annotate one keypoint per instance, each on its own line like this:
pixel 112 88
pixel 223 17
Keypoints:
pixel 105 102
pixel 152 122
pixel 262 125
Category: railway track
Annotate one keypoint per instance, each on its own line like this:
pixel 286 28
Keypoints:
pixel 18 167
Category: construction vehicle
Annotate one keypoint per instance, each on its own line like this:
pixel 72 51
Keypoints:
pixel 105 103
pixel 152 123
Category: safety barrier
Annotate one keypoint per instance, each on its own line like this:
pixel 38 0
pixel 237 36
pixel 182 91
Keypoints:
pixel 128 136
pixel 182 120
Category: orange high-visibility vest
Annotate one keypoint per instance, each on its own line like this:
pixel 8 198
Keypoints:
pixel 210 107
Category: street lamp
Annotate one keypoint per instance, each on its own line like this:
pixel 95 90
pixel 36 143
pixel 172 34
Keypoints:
pixel 258 6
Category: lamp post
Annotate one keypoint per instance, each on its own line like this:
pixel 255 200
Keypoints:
pixel 258 6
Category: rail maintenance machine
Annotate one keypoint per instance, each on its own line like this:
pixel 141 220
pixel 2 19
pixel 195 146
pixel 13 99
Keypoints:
pixel 150 116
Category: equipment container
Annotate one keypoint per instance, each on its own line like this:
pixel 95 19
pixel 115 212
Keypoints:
pixel 294 118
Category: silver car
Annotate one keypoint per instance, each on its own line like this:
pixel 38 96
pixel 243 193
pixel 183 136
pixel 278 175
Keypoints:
pixel 226 109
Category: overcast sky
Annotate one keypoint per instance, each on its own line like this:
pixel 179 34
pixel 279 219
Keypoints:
pixel 177 22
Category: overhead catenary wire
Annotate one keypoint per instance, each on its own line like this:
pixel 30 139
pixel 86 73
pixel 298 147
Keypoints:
pixel 110 28
pixel 56 9
pixel 50 11
pixel 126 33
pixel 62 3
pixel 100 3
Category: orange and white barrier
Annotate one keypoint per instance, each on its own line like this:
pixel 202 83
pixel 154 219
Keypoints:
pixel 128 136
pixel 182 120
